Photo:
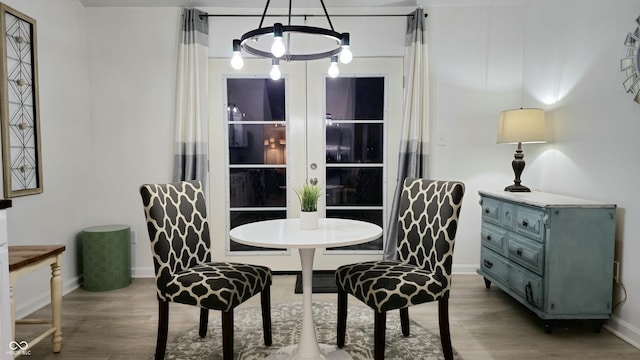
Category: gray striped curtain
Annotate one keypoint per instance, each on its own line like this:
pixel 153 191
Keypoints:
pixel 191 116
pixel 413 155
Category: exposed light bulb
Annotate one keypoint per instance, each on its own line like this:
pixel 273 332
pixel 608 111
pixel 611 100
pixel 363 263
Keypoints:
pixel 236 60
pixel 345 55
pixel 275 73
pixel 277 49
pixel 333 68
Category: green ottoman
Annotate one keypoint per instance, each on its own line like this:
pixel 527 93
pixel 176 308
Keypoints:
pixel 106 257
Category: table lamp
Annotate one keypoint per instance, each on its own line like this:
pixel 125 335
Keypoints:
pixel 516 127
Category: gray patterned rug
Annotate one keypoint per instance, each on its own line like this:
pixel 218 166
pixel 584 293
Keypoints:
pixel 248 341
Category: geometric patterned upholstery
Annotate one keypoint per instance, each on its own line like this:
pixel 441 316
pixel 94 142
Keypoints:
pixel 178 229
pixel 180 242
pixel 427 225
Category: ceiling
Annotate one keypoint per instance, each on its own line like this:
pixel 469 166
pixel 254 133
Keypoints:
pixel 247 3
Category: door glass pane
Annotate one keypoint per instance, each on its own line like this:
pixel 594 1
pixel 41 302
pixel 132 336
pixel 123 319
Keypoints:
pixel 354 125
pixel 257 187
pixel 350 186
pixel 257 144
pixel 354 142
pixel 257 156
pixel 355 98
pixel 255 99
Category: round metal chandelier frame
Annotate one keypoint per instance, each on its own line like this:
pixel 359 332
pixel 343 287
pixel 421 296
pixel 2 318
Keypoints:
pixel 341 39
pixel 301 29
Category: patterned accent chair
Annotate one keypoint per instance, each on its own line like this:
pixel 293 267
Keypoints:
pixel 427 224
pixel 185 273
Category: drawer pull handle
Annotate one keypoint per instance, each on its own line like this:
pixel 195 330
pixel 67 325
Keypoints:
pixel 529 293
pixel 486 210
pixel 519 252
pixel 488 237
pixel 525 222
pixel 488 264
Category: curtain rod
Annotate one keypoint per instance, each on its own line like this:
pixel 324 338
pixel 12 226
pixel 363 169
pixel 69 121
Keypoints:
pixel 305 16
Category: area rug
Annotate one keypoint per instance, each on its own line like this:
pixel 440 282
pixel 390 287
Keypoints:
pixel 248 341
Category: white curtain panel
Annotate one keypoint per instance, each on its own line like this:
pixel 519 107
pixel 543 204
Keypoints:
pixel 191 116
pixel 414 145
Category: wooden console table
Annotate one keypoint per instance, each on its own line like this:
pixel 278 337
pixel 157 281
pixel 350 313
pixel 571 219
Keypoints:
pixel 25 259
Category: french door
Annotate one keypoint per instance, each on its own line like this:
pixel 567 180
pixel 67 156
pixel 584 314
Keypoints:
pixel 268 137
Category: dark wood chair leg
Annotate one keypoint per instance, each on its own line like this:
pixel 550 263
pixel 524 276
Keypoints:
pixel 380 324
pixel 227 335
pixel 204 322
pixel 342 318
pixel 445 336
pixel 404 321
pixel 265 301
pixel 163 327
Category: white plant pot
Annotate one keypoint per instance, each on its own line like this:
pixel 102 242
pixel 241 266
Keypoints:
pixel 308 220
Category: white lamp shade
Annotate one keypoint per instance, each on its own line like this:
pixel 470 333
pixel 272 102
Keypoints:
pixel 521 125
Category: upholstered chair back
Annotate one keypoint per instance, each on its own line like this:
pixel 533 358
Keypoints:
pixel 178 228
pixel 427 224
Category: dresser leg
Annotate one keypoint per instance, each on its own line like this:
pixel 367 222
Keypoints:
pixel 548 326
pixel 487 283
pixel 597 325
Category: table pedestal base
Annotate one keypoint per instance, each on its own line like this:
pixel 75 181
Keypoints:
pixel 327 352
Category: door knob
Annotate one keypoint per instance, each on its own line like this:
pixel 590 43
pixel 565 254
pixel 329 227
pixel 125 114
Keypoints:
pixel 313 181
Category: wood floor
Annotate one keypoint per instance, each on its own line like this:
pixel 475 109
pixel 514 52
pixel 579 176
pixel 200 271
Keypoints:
pixel 485 324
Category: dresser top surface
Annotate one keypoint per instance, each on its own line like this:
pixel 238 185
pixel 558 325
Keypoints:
pixel 542 199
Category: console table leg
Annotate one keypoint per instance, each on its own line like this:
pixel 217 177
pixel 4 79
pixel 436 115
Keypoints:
pixel 548 326
pixel 56 303
pixel 487 283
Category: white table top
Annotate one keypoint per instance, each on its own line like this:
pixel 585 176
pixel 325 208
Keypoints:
pixel 286 233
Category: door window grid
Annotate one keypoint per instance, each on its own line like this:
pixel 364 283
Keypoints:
pixel 256 157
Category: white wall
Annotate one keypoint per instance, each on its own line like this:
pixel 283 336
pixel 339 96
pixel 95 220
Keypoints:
pixel 68 202
pixel 107 77
pixel 562 56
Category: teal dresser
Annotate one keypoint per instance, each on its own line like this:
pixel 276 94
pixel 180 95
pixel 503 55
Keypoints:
pixel 552 253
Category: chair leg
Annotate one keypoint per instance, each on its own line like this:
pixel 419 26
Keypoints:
pixel 163 327
pixel 342 318
pixel 445 336
pixel 404 321
pixel 265 301
pixel 227 335
pixel 204 322
pixel 380 324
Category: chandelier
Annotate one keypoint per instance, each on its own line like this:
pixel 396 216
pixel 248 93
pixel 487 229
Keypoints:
pixel 292 43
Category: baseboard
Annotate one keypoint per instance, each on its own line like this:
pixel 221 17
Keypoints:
pixel 143 272
pixel 464 269
pixel 25 308
pixel 624 331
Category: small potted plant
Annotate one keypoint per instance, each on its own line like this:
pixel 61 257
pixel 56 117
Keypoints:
pixel 308 196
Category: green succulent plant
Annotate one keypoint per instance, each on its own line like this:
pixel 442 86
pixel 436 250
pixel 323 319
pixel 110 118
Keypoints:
pixel 308 195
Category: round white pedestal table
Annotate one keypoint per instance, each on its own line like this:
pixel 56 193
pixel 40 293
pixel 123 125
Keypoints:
pixel 286 234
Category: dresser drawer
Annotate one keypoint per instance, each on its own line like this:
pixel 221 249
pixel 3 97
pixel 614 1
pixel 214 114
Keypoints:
pixel 523 284
pixel 507 215
pixel 525 252
pixel 491 210
pixel 529 222
pixel 493 237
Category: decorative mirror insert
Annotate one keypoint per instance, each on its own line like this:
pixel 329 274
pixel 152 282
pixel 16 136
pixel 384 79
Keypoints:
pixel 19 109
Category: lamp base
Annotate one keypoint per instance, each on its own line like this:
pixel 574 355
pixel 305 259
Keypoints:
pixel 517 188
